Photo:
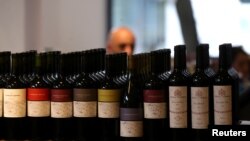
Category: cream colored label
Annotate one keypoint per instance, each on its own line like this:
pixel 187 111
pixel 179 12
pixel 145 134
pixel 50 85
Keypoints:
pixel 131 128
pixel 61 109
pixel 14 102
pixel 154 110
pixel 223 105
pixel 1 102
pixel 108 109
pixel 38 108
pixel 199 107
pixel 85 109
pixel 178 106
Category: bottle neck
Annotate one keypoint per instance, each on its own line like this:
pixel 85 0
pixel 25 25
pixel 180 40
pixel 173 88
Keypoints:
pixel 14 65
pixel 180 58
pixel 200 57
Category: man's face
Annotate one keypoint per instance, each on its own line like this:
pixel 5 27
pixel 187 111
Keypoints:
pixel 122 42
pixel 241 64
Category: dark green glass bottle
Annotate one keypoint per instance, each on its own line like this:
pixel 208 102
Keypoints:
pixel 14 99
pixel 109 95
pixel 131 108
pixel 155 103
pixel 179 97
pixel 85 102
pixel 38 104
pixel 61 103
pixel 200 98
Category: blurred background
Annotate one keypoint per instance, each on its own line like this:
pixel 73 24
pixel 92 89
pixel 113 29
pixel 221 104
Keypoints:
pixel 73 25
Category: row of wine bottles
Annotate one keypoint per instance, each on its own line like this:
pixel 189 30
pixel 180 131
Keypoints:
pixel 90 95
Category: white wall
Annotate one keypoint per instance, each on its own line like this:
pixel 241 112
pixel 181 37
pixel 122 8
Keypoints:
pixel 12 25
pixel 66 25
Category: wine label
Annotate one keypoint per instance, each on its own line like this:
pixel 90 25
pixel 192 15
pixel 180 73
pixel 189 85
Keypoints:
pixel 131 114
pixel 1 102
pixel 61 109
pixel 223 105
pixel 85 94
pixel 155 110
pixel 14 103
pixel 154 96
pixel 38 108
pixel 108 109
pixel 200 107
pixel 85 109
pixel 61 95
pixel 131 128
pixel 109 95
pixel 38 94
pixel 178 106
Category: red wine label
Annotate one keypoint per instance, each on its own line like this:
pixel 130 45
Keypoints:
pixel 61 109
pixel 131 128
pixel 14 103
pixel 1 102
pixel 178 106
pixel 131 114
pixel 200 107
pixel 85 95
pixel 61 95
pixel 223 105
pixel 85 109
pixel 154 96
pixel 38 108
pixel 154 104
pixel 38 94
pixel 109 103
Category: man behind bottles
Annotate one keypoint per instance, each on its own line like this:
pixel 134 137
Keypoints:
pixel 121 39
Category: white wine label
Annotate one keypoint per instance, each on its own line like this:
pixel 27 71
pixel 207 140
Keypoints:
pixel 14 103
pixel 85 109
pixel 155 110
pixel 61 109
pixel 200 107
pixel 223 105
pixel 38 108
pixel 178 106
pixel 1 102
pixel 131 128
pixel 108 109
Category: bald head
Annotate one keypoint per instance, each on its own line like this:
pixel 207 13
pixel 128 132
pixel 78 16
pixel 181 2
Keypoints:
pixel 121 40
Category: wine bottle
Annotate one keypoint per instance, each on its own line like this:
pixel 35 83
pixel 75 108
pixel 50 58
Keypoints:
pixel 224 98
pixel 2 84
pixel 14 103
pixel 155 103
pixel 38 104
pixel 200 97
pixel 108 103
pixel 235 87
pixel 61 103
pixel 179 96
pixel 131 108
pixel 85 102
pixel 208 70
pixel 165 63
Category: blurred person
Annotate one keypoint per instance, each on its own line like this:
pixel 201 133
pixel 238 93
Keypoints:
pixel 121 39
pixel 241 64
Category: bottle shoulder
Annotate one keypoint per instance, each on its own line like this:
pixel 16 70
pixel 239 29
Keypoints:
pixel 200 78
pixel 179 77
pixel 222 77
pixel 60 82
pixel 14 82
pixel 154 82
